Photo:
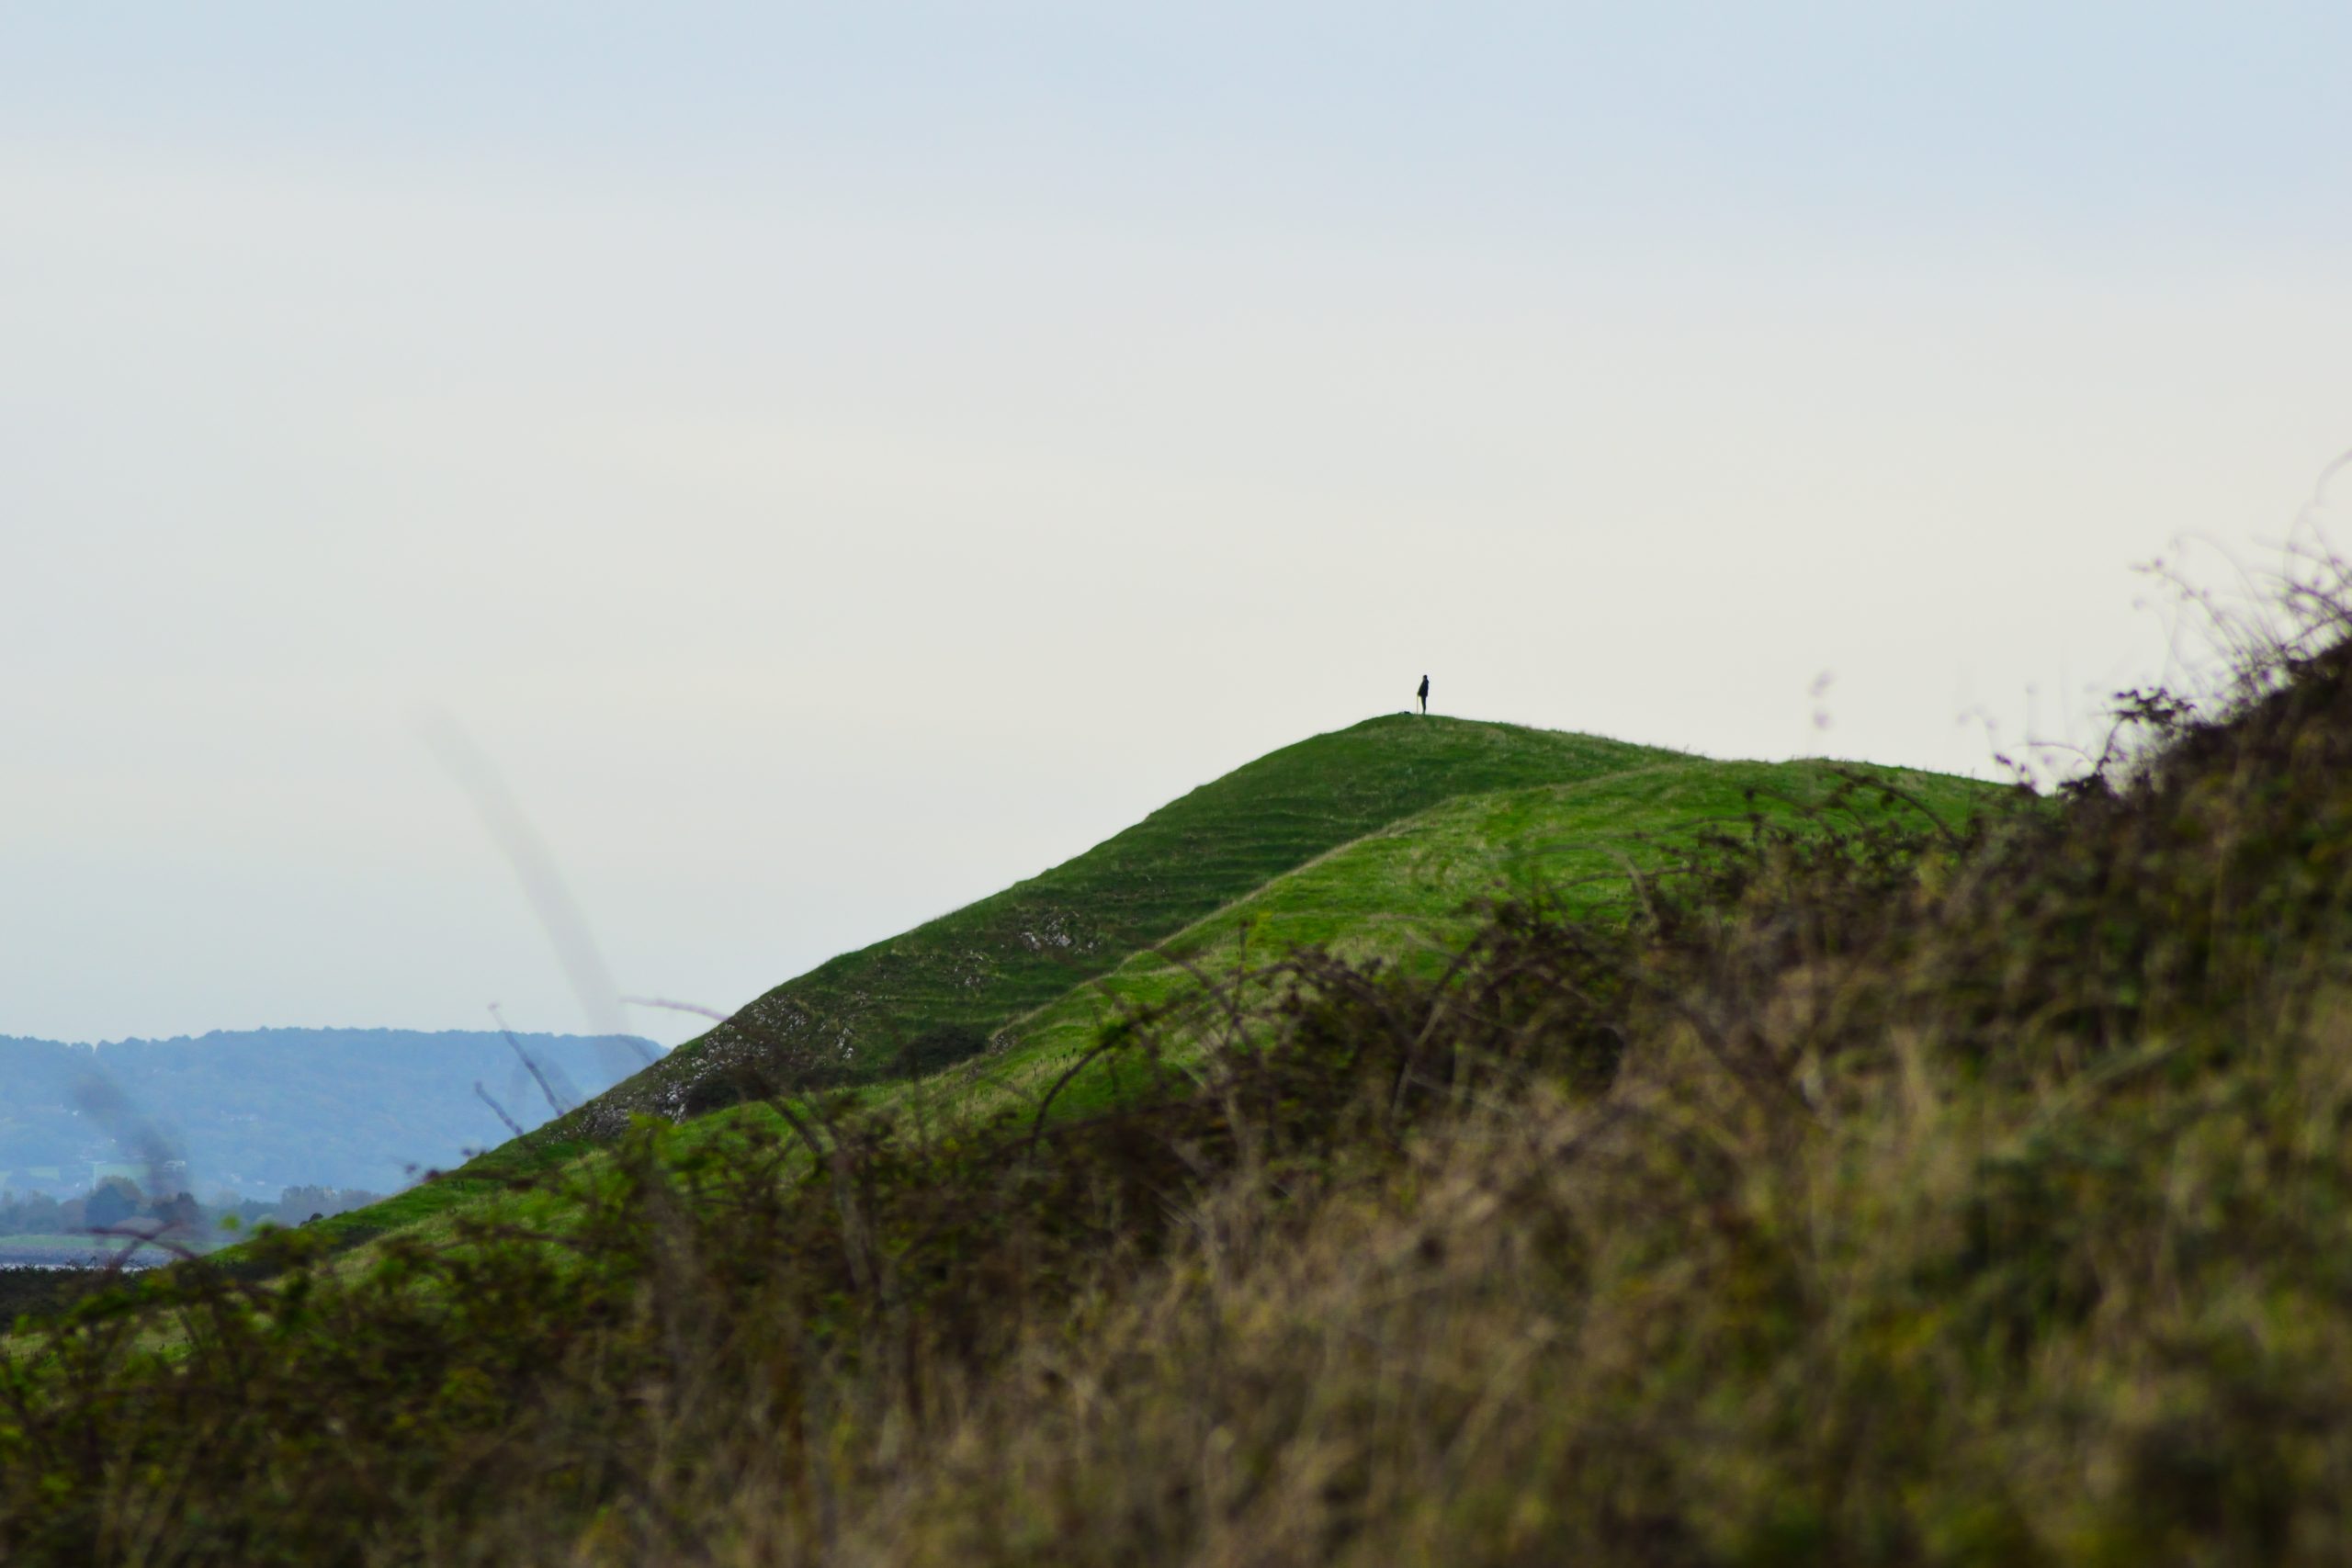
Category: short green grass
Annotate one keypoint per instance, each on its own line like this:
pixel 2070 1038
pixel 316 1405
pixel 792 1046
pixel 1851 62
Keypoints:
pixel 1443 816
pixel 1402 893
pixel 1408 893
pixel 988 962
pixel 997 960
pixel 1884 1201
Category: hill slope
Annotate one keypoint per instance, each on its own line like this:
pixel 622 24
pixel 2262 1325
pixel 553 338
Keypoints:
pixel 1405 891
pixel 1409 895
pixel 956 980
pixel 973 973
pixel 1459 1254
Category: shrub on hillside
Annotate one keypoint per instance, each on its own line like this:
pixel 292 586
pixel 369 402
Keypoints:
pixel 939 1048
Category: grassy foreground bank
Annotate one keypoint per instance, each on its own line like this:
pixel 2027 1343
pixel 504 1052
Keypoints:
pixel 1869 1189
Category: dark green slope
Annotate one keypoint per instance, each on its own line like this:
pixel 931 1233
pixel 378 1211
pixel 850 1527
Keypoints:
pixel 946 984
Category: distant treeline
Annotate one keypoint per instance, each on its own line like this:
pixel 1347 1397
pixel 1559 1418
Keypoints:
pixel 54 1250
pixel 267 1110
pixel 119 1201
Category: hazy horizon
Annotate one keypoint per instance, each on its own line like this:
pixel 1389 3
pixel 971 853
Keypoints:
pixel 832 465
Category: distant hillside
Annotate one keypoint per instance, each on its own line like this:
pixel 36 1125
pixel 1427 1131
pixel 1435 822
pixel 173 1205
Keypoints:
pixel 1403 891
pixel 276 1107
pixel 940 989
pixel 1529 1116
pixel 1408 893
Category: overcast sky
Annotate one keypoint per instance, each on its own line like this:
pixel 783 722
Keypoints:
pixel 832 464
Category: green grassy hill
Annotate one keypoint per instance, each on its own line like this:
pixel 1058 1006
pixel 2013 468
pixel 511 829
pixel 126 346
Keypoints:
pixel 1408 894
pixel 971 974
pixel 1403 891
pixel 1512 1046
pixel 976 972
pixel 946 987
pixel 1911 1174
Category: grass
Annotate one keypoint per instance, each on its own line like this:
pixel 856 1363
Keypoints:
pixel 760 1342
pixel 988 965
pixel 1406 891
pixel 1453 1195
pixel 1411 894
pixel 985 964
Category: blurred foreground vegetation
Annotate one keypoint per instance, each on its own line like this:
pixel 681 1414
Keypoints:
pixel 1876 1185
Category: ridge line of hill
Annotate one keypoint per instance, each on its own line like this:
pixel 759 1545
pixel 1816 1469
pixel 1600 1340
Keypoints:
pixel 1386 893
pixel 943 988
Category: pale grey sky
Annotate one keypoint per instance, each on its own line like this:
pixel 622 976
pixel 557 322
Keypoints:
pixel 834 464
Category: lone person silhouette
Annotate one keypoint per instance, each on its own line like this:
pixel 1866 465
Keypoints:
pixel 1425 693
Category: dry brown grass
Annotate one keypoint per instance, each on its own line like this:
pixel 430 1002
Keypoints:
pixel 1877 1195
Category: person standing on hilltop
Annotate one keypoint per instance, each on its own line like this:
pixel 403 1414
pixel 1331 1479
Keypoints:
pixel 1425 693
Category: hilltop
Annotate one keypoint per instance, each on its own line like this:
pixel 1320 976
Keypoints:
pixel 1378 842
pixel 1000 981
pixel 945 989
pixel 1379 1020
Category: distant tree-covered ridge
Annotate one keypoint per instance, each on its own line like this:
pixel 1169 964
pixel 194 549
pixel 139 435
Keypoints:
pixel 105 1227
pixel 262 1110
